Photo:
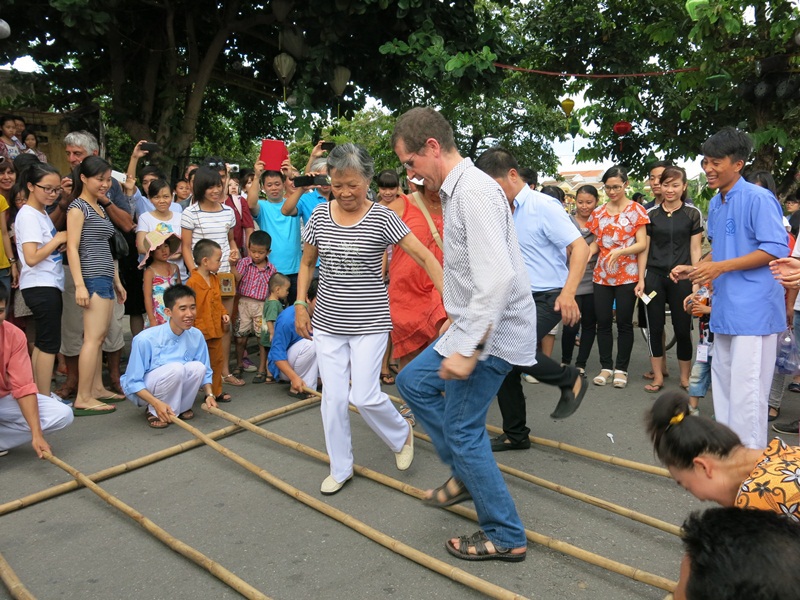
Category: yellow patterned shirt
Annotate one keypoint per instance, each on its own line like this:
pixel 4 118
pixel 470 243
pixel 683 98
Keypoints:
pixel 774 484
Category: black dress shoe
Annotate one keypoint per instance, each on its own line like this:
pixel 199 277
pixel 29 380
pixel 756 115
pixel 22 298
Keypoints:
pixel 570 401
pixel 500 444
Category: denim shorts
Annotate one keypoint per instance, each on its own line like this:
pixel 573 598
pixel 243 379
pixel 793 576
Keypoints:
pixel 102 286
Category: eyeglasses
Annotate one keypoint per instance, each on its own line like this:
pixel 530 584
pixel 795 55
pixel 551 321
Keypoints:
pixel 50 191
pixel 613 188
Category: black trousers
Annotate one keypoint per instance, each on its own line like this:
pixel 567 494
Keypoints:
pixel 604 298
pixel 667 291
pixel 588 327
pixel 510 397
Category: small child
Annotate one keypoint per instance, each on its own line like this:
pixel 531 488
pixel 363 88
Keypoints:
pixel 253 275
pixel 159 273
pixel 278 292
pixel 700 378
pixel 211 314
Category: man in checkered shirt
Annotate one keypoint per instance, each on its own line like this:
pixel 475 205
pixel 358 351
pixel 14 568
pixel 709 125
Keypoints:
pixel 492 319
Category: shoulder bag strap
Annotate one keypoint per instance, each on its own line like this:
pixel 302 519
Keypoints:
pixel 417 198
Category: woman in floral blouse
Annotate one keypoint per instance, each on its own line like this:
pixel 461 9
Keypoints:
pixel 708 460
pixel 620 240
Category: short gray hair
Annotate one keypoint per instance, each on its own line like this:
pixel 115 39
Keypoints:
pixel 318 164
pixel 352 157
pixel 82 139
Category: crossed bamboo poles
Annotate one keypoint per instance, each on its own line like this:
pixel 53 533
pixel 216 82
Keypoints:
pixel 428 561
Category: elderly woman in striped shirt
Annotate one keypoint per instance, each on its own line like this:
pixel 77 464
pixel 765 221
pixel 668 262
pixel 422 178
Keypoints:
pixel 351 318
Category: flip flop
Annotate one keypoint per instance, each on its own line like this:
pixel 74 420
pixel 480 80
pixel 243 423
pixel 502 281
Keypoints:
pixel 649 375
pixel 653 388
pixel 112 398
pixel 299 395
pixel 225 397
pixel 387 379
pixel 94 410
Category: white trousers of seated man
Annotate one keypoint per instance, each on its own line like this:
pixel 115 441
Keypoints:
pixel 175 384
pixel 302 357
pixel 355 358
pixel 14 430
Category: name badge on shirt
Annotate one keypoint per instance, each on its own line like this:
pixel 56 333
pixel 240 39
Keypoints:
pixel 702 353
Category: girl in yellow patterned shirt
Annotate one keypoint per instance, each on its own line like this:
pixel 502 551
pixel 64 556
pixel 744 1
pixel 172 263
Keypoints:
pixel 708 460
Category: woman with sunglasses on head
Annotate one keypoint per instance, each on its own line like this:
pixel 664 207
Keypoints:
pixel 674 237
pixel 621 241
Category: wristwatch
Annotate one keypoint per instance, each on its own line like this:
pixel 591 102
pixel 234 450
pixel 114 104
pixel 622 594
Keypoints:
pixel 106 205
pixel 211 396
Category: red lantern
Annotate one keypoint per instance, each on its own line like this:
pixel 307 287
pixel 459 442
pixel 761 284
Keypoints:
pixel 622 128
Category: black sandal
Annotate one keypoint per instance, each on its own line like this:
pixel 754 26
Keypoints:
pixel 225 397
pixel 478 541
pixel 449 497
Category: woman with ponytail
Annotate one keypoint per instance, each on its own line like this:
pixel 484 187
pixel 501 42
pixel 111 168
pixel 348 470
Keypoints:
pixel 708 460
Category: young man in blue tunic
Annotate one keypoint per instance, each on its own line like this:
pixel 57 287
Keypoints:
pixel 169 363
pixel 746 231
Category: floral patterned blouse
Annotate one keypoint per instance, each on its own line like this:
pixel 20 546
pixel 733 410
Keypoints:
pixel 774 484
pixel 612 232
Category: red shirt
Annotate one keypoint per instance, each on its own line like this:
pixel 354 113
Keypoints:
pixel 244 220
pixel 16 373
pixel 255 281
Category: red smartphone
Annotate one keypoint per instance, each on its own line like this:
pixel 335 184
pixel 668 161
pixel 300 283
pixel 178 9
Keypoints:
pixel 273 153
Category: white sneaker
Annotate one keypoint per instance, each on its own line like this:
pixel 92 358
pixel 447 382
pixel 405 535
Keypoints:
pixel 405 457
pixel 55 396
pixel 530 378
pixel 3 452
pixel 330 486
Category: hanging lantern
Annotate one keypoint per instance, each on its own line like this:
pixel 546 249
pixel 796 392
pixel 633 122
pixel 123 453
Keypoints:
pixel 281 9
pixel 341 76
pixel 284 66
pixel 5 30
pixel 622 128
pixel 291 39
pixel 574 130
pixel 567 104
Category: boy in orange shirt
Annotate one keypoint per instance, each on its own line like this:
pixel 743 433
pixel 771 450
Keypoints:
pixel 211 314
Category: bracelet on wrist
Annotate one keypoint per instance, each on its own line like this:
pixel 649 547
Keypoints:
pixel 301 303
pixel 211 396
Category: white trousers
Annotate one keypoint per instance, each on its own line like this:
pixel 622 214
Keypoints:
pixel 302 357
pixel 175 384
pixel 741 375
pixel 356 358
pixel 14 430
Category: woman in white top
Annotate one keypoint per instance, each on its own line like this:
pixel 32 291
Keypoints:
pixel 41 277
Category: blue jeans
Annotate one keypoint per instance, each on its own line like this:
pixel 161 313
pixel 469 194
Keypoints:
pixel 456 423
pixel 700 379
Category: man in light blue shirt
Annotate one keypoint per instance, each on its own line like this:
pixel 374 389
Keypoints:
pixel 746 230
pixel 169 362
pixel 545 234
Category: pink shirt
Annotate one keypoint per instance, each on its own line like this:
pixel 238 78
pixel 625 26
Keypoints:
pixel 16 373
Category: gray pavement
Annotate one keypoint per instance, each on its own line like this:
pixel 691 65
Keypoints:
pixel 77 546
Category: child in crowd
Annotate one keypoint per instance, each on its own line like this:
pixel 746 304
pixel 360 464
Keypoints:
pixel 700 378
pixel 278 293
pixel 162 219
pixel 211 314
pixel 253 274
pixel 159 273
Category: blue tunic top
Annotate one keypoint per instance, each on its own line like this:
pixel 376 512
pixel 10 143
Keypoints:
pixel 747 302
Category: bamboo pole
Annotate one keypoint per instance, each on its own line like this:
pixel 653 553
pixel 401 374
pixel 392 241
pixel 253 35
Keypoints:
pixel 563 547
pixel 197 557
pixel 566 491
pixel 132 465
pixel 12 582
pixel 614 460
pixel 434 564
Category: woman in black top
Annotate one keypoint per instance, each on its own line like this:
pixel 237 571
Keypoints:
pixel 674 237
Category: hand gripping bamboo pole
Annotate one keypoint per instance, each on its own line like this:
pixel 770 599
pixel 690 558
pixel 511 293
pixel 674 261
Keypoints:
pixel 614 460
pixel 563 547
pixel 13 583
pixel 143 461
pixel 197 557
pixel 454 573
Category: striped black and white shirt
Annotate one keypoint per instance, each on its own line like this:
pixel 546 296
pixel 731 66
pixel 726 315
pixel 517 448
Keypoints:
pixel 486 286
pixel 211 226
pixel 94 249
pixel 352 297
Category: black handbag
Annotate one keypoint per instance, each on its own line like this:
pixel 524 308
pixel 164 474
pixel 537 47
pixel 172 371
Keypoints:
pixel 119 245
